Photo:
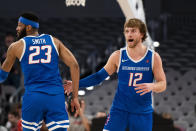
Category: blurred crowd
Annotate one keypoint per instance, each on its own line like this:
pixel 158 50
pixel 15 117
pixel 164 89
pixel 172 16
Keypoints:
pixel 162 122
pixel 9 86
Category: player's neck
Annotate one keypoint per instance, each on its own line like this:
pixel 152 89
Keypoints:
pixel 32 33
pixel 137 52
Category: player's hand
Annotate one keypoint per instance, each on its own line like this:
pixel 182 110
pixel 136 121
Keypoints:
pixel 75 105
pixel 67 87
pixel 144 88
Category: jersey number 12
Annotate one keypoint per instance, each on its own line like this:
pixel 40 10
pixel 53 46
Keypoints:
pixel 134 77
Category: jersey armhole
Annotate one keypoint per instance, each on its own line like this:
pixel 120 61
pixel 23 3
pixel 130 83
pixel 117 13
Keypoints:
pixel 54 45
pixel 23 51
pixel 119 62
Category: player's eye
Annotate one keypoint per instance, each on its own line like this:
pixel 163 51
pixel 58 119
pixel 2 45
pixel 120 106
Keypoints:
pixel 126 31
pixel 133 31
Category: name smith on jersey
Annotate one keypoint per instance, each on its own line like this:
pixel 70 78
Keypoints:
pixel 38 41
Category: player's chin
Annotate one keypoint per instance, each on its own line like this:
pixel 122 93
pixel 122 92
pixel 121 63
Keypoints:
pixel 18 36
pixel 131 45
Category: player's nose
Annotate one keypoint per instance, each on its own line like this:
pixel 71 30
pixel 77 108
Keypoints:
pixel 130 34
pixel 17 28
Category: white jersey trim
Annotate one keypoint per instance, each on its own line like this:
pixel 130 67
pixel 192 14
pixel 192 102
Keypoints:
pixel 152 63
pixel 119 62
pixel 58 126
pixel 32 123
pixel 58 122
pixel 23 51
pixel 32 128
pixel 136 61
pixel 35 36
pixel 54 44
pixel 105 130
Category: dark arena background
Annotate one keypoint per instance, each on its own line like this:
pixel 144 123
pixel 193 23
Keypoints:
pixel 92 31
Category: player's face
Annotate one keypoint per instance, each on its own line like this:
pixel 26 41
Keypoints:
pixel 21 30
pixel 132 36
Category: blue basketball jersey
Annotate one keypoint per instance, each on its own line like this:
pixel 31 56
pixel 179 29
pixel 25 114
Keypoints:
pixel 39 63
pixel 131 72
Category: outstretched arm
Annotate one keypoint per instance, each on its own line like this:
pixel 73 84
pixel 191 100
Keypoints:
pixel 96 78
pixel 102 74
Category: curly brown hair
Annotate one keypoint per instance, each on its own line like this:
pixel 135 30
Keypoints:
pixel 134 22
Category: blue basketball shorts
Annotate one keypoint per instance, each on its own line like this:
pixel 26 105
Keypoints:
pixel 119 120
pixel 38 107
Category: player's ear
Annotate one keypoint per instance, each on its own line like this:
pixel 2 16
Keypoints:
pixel 29 27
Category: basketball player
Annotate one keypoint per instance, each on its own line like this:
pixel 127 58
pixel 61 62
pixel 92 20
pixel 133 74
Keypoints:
pixel 44 94
pixel 137 66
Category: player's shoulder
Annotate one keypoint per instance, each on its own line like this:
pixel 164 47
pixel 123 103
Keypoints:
pixel 55 38
pixel 157 58
pixel 56 41
pixel 156 55
pixel 114 57
pixel 116 53
pixel 16 45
